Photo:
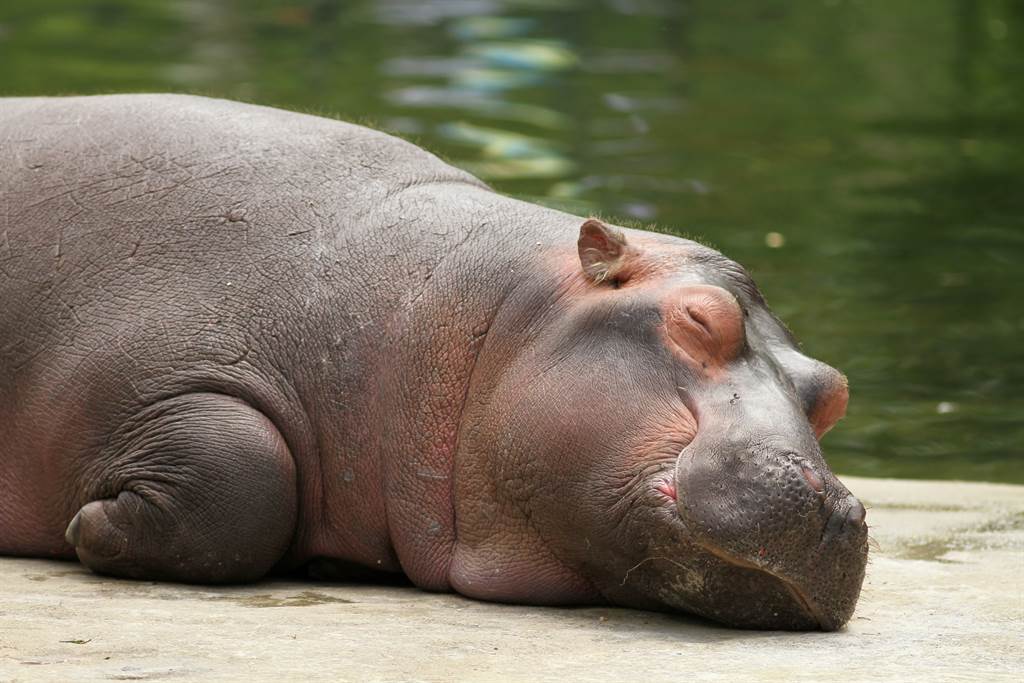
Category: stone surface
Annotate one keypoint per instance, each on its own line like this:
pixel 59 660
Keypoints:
pixel 944 600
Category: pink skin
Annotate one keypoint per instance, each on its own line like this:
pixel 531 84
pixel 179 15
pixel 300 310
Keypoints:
pixel 668 489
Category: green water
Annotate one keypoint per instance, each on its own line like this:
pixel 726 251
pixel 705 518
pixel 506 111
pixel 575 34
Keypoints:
pixel 863 159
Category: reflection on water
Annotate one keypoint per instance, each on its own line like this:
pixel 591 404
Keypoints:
pixel 863 159
pixel 493 64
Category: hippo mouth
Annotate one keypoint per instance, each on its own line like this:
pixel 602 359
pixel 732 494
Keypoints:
pixel 809 608
pixel 818 616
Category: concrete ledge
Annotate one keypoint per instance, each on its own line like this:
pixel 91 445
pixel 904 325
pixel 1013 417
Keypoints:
pixel 944 600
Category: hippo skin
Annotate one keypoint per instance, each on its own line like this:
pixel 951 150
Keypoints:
pixel 235 341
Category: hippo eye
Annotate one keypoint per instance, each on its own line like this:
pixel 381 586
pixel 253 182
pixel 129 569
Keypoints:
pixel 706 325
pixel 699 316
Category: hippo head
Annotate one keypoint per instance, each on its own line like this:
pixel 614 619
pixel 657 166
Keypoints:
pixel 644 431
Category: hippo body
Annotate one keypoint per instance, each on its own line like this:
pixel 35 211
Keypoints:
pixel 236 340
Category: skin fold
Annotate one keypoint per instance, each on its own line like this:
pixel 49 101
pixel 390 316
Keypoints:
pixel 236 340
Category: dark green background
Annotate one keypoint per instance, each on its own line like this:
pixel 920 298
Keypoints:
pixel 878 141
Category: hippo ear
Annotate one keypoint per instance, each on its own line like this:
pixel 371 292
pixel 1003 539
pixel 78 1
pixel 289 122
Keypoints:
pixel 602 251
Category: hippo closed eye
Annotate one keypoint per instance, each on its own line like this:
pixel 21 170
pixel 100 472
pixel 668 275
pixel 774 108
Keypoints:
pixel 238 340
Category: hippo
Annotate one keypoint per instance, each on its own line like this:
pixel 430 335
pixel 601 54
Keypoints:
pixel 237 341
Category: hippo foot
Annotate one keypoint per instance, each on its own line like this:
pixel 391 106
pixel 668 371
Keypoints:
pixel 207 495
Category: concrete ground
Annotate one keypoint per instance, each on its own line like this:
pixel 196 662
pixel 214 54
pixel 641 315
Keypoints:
pixel 944 600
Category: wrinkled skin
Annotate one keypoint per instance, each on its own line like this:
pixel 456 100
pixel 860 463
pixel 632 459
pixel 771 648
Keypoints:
pixel 235 340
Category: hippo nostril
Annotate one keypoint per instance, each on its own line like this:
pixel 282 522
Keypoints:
pixel 833 526
pixel 812 478
pixel 856 514
pixel 845 519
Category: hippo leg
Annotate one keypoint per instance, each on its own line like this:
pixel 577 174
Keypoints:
pixel 203 490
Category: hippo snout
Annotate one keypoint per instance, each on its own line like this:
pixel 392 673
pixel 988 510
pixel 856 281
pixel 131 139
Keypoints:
pixel 781 514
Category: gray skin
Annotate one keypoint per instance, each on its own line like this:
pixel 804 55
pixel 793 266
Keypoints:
pixel 236 340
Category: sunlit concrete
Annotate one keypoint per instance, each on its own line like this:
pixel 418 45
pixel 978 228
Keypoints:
pixel 944 600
